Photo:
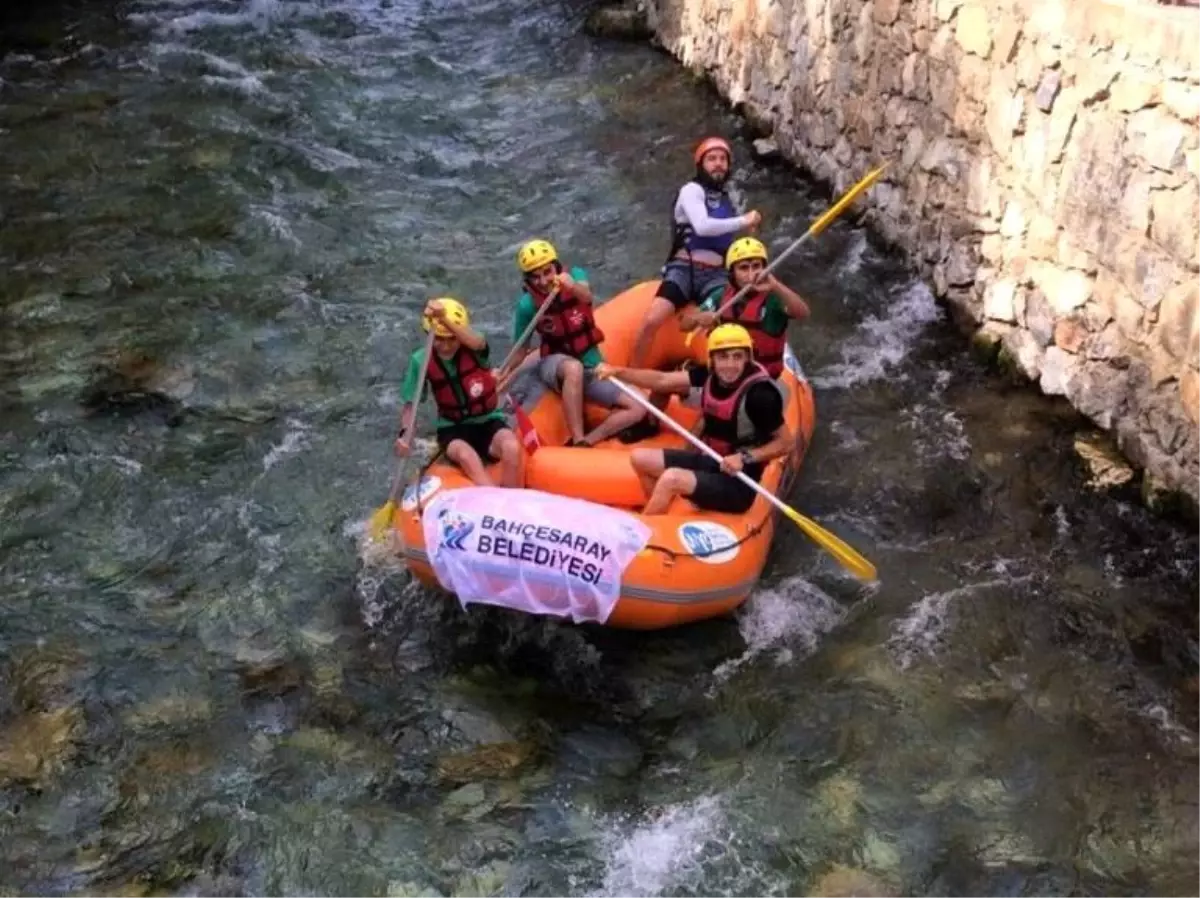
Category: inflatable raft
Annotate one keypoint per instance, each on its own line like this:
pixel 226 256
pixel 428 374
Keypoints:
pixel 558 550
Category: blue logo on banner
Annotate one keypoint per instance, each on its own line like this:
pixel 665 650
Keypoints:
pixel 455 529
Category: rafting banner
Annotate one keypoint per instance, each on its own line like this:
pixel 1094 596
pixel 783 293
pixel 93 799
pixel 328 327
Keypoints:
pixel 531 551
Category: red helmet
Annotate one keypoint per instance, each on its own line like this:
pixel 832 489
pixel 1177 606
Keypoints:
pixel 708 145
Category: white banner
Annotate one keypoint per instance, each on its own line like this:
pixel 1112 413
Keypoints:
pixel 531 551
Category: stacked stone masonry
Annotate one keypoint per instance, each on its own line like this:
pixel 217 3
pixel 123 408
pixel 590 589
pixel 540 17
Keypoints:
pixel 1044 173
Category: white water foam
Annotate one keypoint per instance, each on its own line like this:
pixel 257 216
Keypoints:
pixel 937 433
pixel 881 343
pixel 1160 715
pixel 919 634
pixel 293 441
pixel 651 857
pixel 852 261
pixel 785 620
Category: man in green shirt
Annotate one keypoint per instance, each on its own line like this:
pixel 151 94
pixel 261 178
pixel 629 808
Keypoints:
pixel 764 311
pixel 570 342
pixel 471 428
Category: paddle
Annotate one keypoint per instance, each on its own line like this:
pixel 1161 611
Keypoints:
pixel 529 435
pixel 382 518
pixel 816 228
pixel 846 556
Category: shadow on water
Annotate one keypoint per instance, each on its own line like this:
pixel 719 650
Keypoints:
pixel 209 282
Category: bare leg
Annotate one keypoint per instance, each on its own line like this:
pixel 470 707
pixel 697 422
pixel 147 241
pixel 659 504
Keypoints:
pixel 505 447
pixel 648 465
pixel 674 482
pixel 468 459
pixel 570 378
pixel 627 412
pixel 660 310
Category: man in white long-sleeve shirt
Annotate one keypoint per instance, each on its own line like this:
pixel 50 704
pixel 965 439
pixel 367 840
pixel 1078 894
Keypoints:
pixel 703 226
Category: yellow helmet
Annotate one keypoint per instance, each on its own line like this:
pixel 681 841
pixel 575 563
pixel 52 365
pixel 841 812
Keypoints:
pixel 745 248
pixel 730 336
pixel 534 254
pixel 455 312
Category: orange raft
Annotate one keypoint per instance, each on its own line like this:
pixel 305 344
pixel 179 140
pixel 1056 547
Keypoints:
pixel 697 564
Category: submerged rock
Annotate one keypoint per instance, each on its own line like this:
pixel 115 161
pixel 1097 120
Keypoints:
pixel 623 21
pixel 488 880
pixel 841 881
pixel 499 759
pixel 35 747
pixel 133 382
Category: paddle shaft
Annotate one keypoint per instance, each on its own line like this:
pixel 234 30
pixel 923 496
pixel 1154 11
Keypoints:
pixel 525 335
pixel 816 228
pixel 402 466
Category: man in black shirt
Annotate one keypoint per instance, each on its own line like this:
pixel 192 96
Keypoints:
pixel 743 421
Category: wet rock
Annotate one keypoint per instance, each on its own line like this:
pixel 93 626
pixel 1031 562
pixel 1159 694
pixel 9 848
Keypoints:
pixel 337 748
pixel 133 382
pixel 267 671
pixel 476 727
pixel 624 21
pixel 841 881
pixel 765 148
pixel 36 747
pixel 497 760
pixel 1107 468
pixel 467 796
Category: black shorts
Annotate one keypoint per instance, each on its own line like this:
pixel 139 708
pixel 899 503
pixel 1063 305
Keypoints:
pixel 476 434
pixel 715 490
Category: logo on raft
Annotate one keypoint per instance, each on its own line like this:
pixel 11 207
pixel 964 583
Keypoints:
pixel 792 363
pixel 709 542
pixel 427 485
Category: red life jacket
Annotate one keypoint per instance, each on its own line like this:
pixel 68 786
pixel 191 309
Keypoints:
pixel 476 386
pixel 748 312
pixel 567 327
pixel 727 427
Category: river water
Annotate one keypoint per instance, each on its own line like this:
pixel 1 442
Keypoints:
pixel 219 221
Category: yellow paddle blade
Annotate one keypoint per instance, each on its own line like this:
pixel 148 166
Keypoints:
pixel 845 555
pixel 851 195
pixel 381 520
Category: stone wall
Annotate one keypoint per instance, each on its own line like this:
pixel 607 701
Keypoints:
pixel 1044 173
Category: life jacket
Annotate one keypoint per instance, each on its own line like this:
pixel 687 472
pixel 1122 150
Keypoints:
pixel 748 312
pixel 683 237
pixel 470 393
pixel 568 326
pixel 727 426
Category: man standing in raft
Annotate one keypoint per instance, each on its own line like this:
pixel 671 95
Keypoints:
pixel 703 223
pixel 742 411
pixel 765 311
pixel 470 428
pixel 570 342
